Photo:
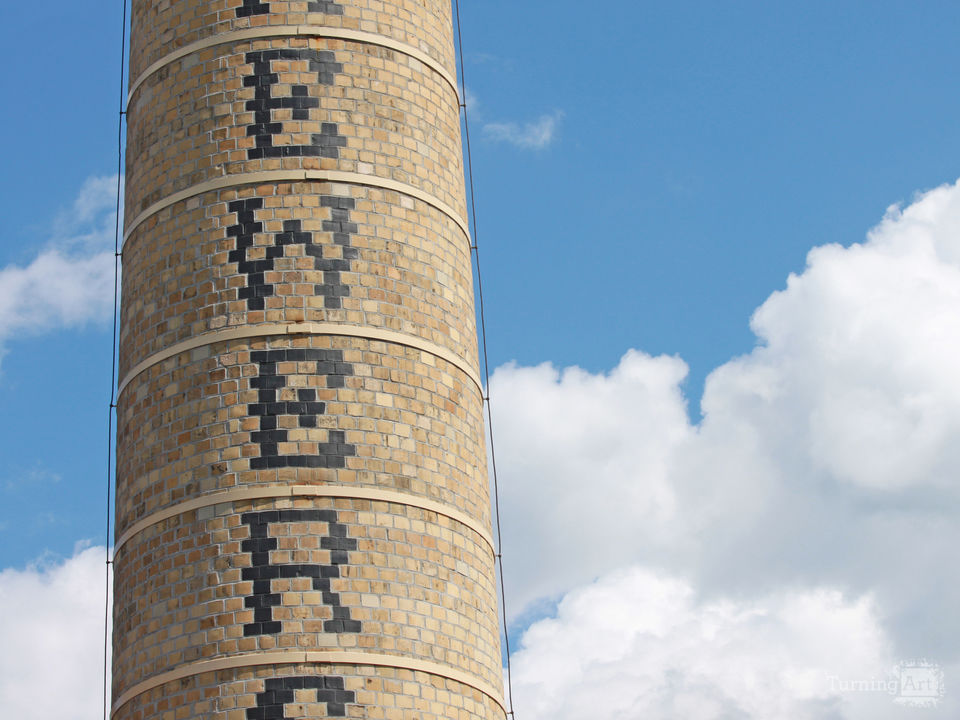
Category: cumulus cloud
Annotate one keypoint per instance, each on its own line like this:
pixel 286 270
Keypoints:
pixel 529 136
pixel 51 622
pixel 863 344
pixel 638 644
pixel 585 462
pixel 826 462
pixel 70 282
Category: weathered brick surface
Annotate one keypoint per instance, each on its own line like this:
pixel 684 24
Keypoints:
pixel 409 583
pixel 191 424
pixel 162 26
pixel 232 580
pixel 374 693
pixel 405 266
pixel 320 104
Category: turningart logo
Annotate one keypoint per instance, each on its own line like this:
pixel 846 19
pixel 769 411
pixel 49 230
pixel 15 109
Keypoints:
pixel 920 684
pixel 912 683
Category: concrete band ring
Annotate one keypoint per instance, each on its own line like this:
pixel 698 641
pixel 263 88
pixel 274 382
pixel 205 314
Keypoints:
pixel 281 31
pixel 275 176
pixel 297 658
pixel 283 329
pixel 304 491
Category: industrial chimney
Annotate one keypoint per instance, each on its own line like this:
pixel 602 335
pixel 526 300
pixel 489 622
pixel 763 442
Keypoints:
pixel 303 523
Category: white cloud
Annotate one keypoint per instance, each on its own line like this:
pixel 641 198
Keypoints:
pixel 51 622
pixel 93 208
pixel 638 644
pixel 826 457
pixel 530 136
pixel 864 345
pixel 70 282
pixel 585 461
pixel 55 290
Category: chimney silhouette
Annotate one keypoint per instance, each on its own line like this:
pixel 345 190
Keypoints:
pixel 303 519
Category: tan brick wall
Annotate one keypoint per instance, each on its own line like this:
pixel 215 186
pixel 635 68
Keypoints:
pixel 418 584
pixel 398 119
pixel 378 693
pixel 413 420
pixel 303 518
pixel 162 26
pixel 412 274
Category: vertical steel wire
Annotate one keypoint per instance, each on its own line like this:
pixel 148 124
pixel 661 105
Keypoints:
pixel 113 368
pixel 474 247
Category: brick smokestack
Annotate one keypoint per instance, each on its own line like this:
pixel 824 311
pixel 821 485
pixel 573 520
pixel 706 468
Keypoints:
pixel 303 523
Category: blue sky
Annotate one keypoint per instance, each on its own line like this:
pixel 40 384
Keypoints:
pixel 703 149
pixel 647 177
